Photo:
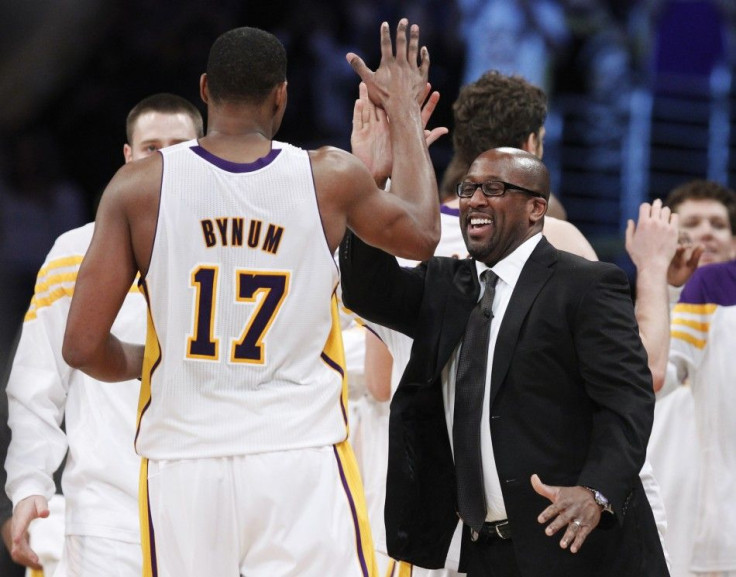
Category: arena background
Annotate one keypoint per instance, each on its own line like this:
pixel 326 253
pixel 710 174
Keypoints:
pixel 641 93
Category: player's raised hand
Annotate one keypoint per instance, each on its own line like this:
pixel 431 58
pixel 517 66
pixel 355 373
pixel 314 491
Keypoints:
pixel 685 261
pixel 400 75
pixel 370 139
pixel 652 241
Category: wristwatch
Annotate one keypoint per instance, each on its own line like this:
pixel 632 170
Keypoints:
pixel 601 500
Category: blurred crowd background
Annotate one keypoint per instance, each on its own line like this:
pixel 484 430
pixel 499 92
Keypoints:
pixel 642 96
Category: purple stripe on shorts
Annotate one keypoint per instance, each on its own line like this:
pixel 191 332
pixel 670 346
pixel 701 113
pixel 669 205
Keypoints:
pixel 358 540
pixel 151 536
pixel 236 167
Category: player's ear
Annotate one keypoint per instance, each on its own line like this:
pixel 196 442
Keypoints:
pixel 534 143
pixel 203 92
pixel 280 95
pixel 530 144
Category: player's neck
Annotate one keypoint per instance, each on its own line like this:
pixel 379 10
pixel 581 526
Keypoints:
pixel 241 121
pixel 240 148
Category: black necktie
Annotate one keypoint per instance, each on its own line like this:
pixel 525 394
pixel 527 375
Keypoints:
pixel 469 391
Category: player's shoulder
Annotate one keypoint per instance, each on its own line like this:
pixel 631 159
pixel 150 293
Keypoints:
pixel 136 186
pixel 716 272
pixel 712 284
pixel 338 174
pixel 333 159
pixel 134 174
pixel 72 242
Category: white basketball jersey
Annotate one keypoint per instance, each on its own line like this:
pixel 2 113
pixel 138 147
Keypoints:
pixel 451 241
pixel 244 353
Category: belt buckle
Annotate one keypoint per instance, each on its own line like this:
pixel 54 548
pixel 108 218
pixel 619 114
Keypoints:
pixel 503 530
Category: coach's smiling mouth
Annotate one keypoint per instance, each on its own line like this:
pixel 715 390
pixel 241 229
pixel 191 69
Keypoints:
pixel 479 221
pixel 478 225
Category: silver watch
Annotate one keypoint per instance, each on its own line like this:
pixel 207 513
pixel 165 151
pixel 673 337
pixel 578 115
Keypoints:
pixel 601 500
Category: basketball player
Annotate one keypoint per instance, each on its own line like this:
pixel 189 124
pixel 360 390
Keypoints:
pixel 100 479
pixel 241 418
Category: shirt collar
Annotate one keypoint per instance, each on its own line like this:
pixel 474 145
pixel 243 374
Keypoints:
pixel 509 268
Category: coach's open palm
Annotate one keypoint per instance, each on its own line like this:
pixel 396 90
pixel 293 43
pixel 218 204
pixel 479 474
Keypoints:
pixel 572 508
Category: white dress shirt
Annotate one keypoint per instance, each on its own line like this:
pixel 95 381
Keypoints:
pixel 508 271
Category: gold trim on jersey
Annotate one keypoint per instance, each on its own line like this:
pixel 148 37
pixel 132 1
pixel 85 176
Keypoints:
pixel 702 309
pixel 695 325
pixel 63 262
pixel 405 569
pixel 333 355
pixel 399 569
pixel 50 288
pixel 688 338
pixel 151 360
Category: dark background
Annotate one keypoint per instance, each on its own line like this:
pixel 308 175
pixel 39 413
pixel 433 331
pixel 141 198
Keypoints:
pixel 641 95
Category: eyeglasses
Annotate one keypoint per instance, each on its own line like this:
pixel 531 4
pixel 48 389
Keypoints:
pixel 491 188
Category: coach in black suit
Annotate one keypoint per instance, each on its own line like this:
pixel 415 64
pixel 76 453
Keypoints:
pixel 568 396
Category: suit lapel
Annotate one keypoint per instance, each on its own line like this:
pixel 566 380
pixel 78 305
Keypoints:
pixel 461 298
pixel 534 275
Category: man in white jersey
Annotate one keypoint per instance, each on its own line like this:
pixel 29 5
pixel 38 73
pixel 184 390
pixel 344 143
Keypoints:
pixel 100 480
pixel 707 220
pixel 242 422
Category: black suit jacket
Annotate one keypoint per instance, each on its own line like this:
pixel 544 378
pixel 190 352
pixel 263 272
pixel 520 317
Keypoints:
pixel 571 400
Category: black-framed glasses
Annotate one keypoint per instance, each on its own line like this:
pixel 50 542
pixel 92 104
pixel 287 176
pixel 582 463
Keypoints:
pixel 491 188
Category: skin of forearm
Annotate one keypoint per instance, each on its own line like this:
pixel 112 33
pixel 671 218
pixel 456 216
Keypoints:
pixel 114 361
pixel 413 177
pixel 652 315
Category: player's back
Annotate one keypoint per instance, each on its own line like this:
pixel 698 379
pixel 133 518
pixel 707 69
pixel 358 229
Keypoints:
pixel 244 351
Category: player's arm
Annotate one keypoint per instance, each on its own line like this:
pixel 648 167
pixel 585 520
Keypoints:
pixel 404 222
pixel 651 244
pixel 107 272
pixel 370 139
pixel 350 198
pixel 37 393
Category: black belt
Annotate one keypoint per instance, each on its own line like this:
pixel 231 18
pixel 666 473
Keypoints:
pixel 491 531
